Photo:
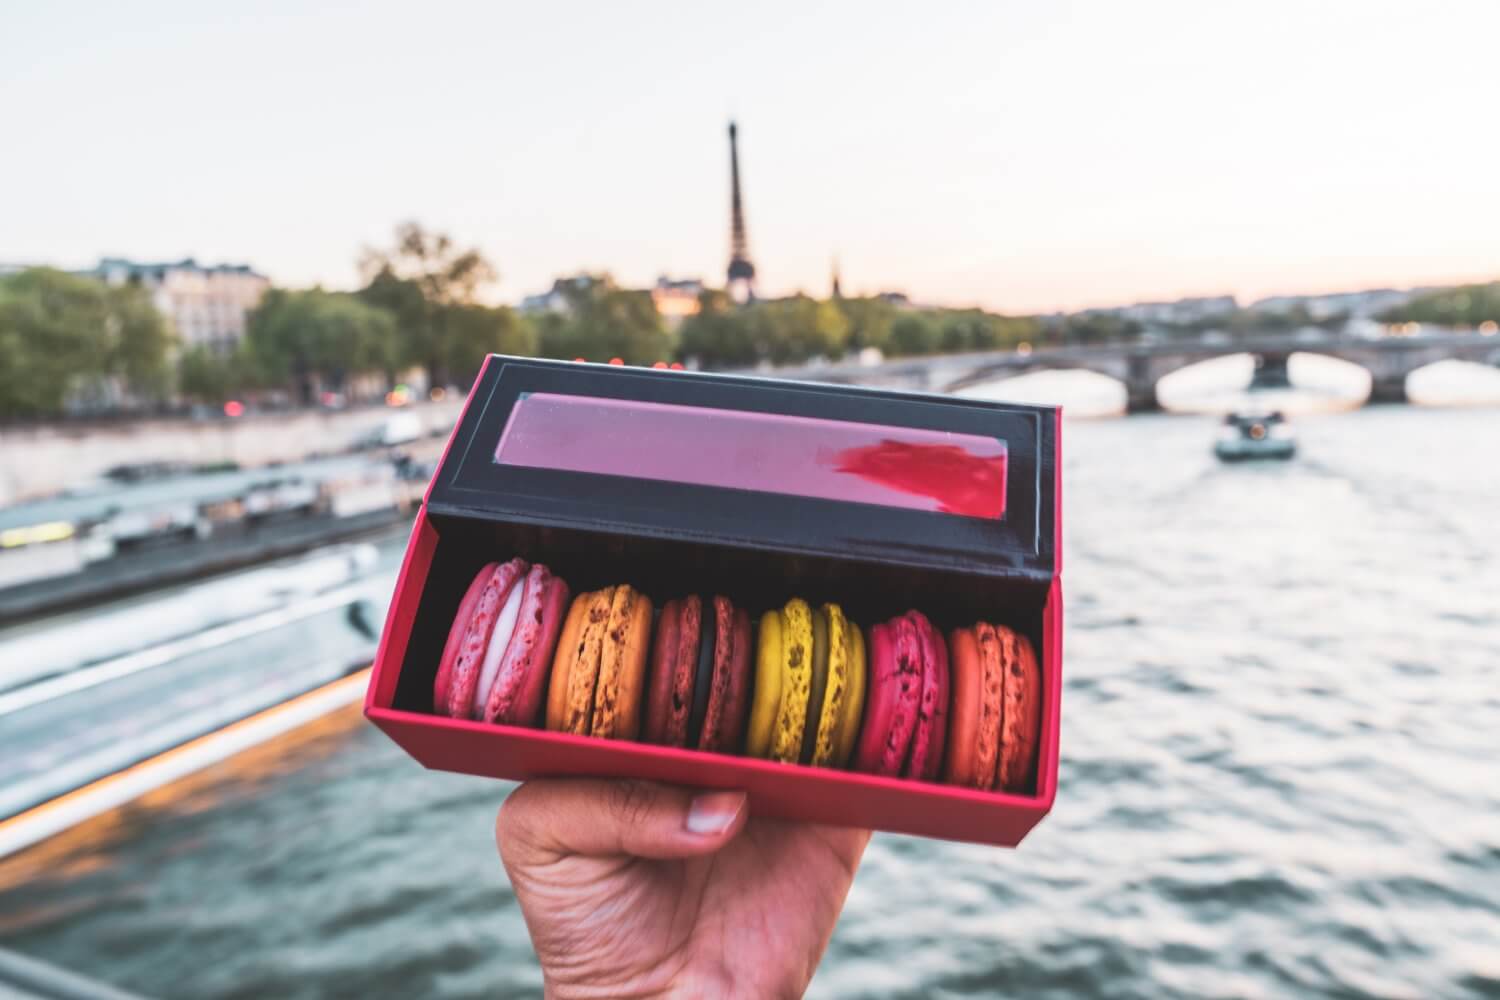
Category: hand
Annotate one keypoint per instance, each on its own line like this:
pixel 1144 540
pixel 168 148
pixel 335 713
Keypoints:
pixel 636 889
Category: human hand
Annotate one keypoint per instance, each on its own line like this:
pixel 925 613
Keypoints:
pixel 634 889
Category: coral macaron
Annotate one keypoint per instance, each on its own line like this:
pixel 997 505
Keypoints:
pixel 996 709
pixel 494 663
pixel 905 724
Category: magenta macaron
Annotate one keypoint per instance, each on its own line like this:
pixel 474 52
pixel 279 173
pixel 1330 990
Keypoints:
pixel 906 707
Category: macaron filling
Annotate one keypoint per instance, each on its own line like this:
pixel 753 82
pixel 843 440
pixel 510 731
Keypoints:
pixel 518 689
pixel 505 627
pixel 817 686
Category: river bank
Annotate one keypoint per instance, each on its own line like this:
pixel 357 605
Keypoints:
pixel 43 460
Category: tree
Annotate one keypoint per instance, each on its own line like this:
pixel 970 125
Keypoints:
pixel 474 331
pixel 870 322
pixel 719 335
pixel 208 377
pixel 800 328
pixel 965 330
pixel 915 333
pixel 62 333
pixel 443 275
pixel 139 342
pixel 1013 331
pixel 603 321
pixel 1096 328
pixel 1466 305
pixel 316 339
pixel 404 300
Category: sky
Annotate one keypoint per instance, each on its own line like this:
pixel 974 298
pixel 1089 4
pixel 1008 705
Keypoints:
pixel 1027 157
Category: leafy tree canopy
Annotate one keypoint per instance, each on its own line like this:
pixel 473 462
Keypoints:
pixel 603 321
pixel 426 281
pixel 317 337
pixel 60 332
pixel 1466 305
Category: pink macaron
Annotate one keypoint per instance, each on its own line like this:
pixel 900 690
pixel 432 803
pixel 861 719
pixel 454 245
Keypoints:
pixel 495 663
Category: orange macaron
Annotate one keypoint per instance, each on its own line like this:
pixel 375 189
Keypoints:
pixel 599 672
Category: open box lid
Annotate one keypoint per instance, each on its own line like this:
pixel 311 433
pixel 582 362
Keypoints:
pixel 824 470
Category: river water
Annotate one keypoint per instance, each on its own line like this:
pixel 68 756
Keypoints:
pixel 1281 724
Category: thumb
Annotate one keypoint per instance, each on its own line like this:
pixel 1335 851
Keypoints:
pixel 545 820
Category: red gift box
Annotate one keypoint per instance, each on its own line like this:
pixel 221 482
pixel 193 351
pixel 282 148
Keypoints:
pixel 762 490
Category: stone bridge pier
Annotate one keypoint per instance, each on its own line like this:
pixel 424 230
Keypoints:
pixel 1388 371
pixel 1140 380
pixel 1271 371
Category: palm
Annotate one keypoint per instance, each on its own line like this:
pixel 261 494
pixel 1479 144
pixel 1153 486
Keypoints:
pixel 751 919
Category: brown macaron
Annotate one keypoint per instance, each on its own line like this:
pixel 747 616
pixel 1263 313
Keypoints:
pixel 599 672
pixel 674 664
pixel 728 694
pixel 700 675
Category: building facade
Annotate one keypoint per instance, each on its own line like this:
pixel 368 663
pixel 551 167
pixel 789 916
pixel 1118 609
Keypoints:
pixel 676 300
pixel 557 299
pixel 208 305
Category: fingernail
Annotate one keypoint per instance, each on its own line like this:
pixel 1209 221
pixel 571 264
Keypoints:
pixel 714 813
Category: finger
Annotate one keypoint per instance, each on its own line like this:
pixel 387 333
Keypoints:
pixel 544 820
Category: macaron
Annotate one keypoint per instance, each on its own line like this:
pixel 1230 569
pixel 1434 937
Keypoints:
pixel 809 686
pixel 599 670
pixel 494 663
pixel 698 691
pixel 997 700
pixel 905 719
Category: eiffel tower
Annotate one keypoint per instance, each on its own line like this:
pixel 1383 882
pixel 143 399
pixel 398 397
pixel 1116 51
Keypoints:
pixel 741 271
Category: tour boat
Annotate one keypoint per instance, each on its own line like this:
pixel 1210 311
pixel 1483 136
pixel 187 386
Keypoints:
pixel 1247 436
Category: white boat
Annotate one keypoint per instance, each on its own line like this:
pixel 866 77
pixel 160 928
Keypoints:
pixel 1245 437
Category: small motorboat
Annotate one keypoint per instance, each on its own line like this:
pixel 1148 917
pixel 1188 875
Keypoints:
pixel 1247 436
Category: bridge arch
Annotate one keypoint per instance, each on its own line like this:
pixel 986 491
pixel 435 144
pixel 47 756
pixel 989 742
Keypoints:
pixel 1084 391
pixel 1453 382
pixel 1204 383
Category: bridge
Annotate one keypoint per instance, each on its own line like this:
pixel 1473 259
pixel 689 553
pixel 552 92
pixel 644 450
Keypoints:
pixel 1140 366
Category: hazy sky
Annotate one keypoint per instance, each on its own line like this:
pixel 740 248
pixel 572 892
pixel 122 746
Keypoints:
pixel 1025 156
